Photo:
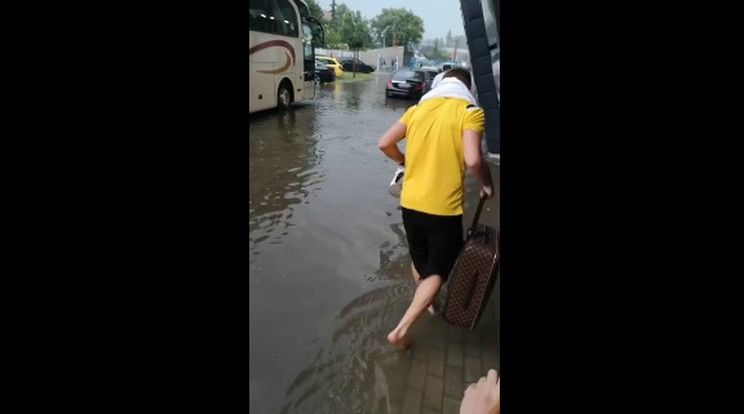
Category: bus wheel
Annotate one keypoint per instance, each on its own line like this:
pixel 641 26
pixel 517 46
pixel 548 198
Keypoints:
pixel 284 96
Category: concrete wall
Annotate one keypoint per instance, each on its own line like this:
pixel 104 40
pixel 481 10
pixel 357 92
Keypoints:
pixel 370 56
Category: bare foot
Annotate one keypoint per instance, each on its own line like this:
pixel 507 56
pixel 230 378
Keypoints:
pixel 400 342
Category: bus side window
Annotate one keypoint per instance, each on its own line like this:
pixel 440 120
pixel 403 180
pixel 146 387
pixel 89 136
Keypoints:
pixel 286 19
pixel 260 13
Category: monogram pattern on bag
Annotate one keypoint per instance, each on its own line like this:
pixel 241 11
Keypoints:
pixel 466 298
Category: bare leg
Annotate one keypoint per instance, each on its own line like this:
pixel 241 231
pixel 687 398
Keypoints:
pixel 417 280
pixel 425 294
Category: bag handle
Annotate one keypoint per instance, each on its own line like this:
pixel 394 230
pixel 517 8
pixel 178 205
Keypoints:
pixel 477 214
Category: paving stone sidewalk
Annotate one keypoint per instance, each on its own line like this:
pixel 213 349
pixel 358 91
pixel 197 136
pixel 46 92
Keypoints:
pixel 441 368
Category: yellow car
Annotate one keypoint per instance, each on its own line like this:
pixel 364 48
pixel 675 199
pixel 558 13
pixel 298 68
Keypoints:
pixel 331 63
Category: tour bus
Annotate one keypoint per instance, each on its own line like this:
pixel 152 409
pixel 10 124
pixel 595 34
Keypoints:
pixel 283 37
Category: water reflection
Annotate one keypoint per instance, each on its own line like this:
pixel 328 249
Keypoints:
pixel 337 89
pixel 351 95
pixel 358 371
pixel 349 375
pixel 282 168
pixel 399 103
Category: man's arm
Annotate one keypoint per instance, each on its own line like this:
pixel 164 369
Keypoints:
pixel 471 141
pixel 389 142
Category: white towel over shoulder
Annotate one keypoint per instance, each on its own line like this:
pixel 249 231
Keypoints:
pixel 450 88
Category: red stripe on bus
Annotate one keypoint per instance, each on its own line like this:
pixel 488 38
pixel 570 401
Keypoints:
pixel 286 66
pixel 270 43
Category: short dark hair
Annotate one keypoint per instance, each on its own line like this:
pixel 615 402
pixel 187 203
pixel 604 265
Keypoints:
pixel 460 73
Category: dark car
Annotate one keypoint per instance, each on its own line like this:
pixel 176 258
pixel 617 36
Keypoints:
pixel 324 73
pixel 348 65
pixel 410 83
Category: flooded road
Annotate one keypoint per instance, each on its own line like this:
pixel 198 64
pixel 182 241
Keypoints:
pixel 329 271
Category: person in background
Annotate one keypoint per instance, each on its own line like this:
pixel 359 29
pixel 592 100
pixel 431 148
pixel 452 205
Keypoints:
pixel 438 78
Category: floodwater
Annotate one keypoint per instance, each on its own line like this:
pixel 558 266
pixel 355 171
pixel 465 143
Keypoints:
pixel 329 271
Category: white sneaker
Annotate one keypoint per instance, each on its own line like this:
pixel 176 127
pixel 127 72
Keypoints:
pixel 396 186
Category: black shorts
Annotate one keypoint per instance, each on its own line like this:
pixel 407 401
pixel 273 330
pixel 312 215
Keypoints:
pixel 434 242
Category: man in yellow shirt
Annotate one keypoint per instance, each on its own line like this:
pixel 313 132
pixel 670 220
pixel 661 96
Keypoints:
pixel 443 137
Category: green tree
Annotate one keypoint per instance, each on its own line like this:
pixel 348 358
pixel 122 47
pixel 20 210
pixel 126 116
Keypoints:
pixel 338 16
pixel 315 10
pixel 354 30
pixel 334 36
pixel 398 26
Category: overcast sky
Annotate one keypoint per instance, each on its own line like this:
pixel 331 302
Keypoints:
pixel 439 16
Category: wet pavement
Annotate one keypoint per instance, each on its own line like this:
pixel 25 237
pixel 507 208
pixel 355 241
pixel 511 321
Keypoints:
pixel 329 271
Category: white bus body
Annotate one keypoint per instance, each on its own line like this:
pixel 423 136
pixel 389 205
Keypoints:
pixel 281 55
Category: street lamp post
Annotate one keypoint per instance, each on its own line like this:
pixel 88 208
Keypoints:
pixel 384 32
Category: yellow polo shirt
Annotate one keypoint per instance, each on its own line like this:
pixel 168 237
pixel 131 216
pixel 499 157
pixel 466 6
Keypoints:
pixel 435 161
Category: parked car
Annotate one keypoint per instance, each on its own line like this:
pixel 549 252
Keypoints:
pixel 410 83
pixel 324 73
pixel 332 63
pixel 348 66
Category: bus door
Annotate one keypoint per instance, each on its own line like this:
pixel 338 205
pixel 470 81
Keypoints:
pixel 313 36
pixel 308 53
